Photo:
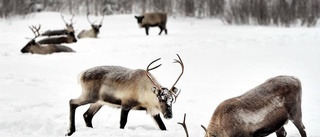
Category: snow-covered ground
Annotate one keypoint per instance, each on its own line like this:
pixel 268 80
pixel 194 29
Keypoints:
pixel 221 62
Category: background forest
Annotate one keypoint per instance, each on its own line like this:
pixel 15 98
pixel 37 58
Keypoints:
pixel 257 12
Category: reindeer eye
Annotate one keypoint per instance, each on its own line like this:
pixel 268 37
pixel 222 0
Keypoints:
pixel 169 100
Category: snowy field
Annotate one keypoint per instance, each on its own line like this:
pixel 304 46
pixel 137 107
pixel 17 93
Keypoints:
pixel 221 62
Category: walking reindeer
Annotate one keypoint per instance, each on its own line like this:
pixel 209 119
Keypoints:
pixel 93 32
pixel 37 48
pixel 124 88
pixel 148 20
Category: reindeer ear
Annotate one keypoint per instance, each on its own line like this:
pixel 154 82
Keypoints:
pixel 33 42
pixel 136 17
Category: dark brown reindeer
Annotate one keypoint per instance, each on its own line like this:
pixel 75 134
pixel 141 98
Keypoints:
pixel 126 89
pixel 68 38
pixel 260 111
pixel 148 20
pixel 36 48
pixel 93 32
pixel 69 29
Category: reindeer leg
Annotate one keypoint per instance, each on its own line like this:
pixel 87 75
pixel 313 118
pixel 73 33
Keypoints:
pixel 88 115
pixel 165 30
pixel 298 123
pixel 295 117
pixel 161 125
pixel 281 132
pixel 124 116
pixel 74 103
pixel 147 30
pixel 161 29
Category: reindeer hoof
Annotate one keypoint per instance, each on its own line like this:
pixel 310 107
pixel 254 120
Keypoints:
pixel 69 133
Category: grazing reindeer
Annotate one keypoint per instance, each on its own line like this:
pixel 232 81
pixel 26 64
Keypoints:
pixel 69 29
pixel 69 38
pixel 153 20
pixel 93 32
pixel 260 111
pixel 36 48
pixel 126 89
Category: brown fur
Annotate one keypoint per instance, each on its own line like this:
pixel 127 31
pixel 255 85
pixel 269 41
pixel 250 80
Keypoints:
pixel 88 34
pixel 36 48
pixel 69 29
pixel 70 38
pixel 56 32
pixel 93 32
pixel 123 88
pixel 260 111
pixel 153 20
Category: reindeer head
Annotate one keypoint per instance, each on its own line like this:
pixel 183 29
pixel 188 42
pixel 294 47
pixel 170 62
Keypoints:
pixel 28 48
pixel 69 26
pixel 165 96
pixel 95 27
pixel 139 20
pixel 71 37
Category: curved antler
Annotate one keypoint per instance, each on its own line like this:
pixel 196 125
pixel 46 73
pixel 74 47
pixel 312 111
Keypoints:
pixel 88 18
pixel 147 72
pixel 182 66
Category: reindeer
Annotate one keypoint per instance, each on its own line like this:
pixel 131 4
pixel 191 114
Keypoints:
pixel 36 48
pixel 68 30
pixel 69 38
pixel 93 32
pixel 260 111
pixel 153 20
pixel 124 88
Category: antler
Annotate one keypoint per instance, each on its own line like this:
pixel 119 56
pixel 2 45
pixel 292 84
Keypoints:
pixel 72 19
pixel 204 128
pixel 182 66
pixel 88 18
pixel 102 20
pixel 184 125
pixel 35 30
pixel 147 72
pixel 63 18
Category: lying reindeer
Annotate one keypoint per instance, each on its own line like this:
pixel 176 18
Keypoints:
pixel 153 20
pixel 69 38
pixel 126 89
pixel 36 48
pixel 93 32
pixel 260 111
pixel 69 29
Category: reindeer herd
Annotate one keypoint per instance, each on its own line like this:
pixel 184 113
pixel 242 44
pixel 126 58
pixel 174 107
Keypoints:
pixel 258 112
pixel 50 45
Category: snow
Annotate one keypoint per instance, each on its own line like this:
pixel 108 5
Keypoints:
pixel 221 62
